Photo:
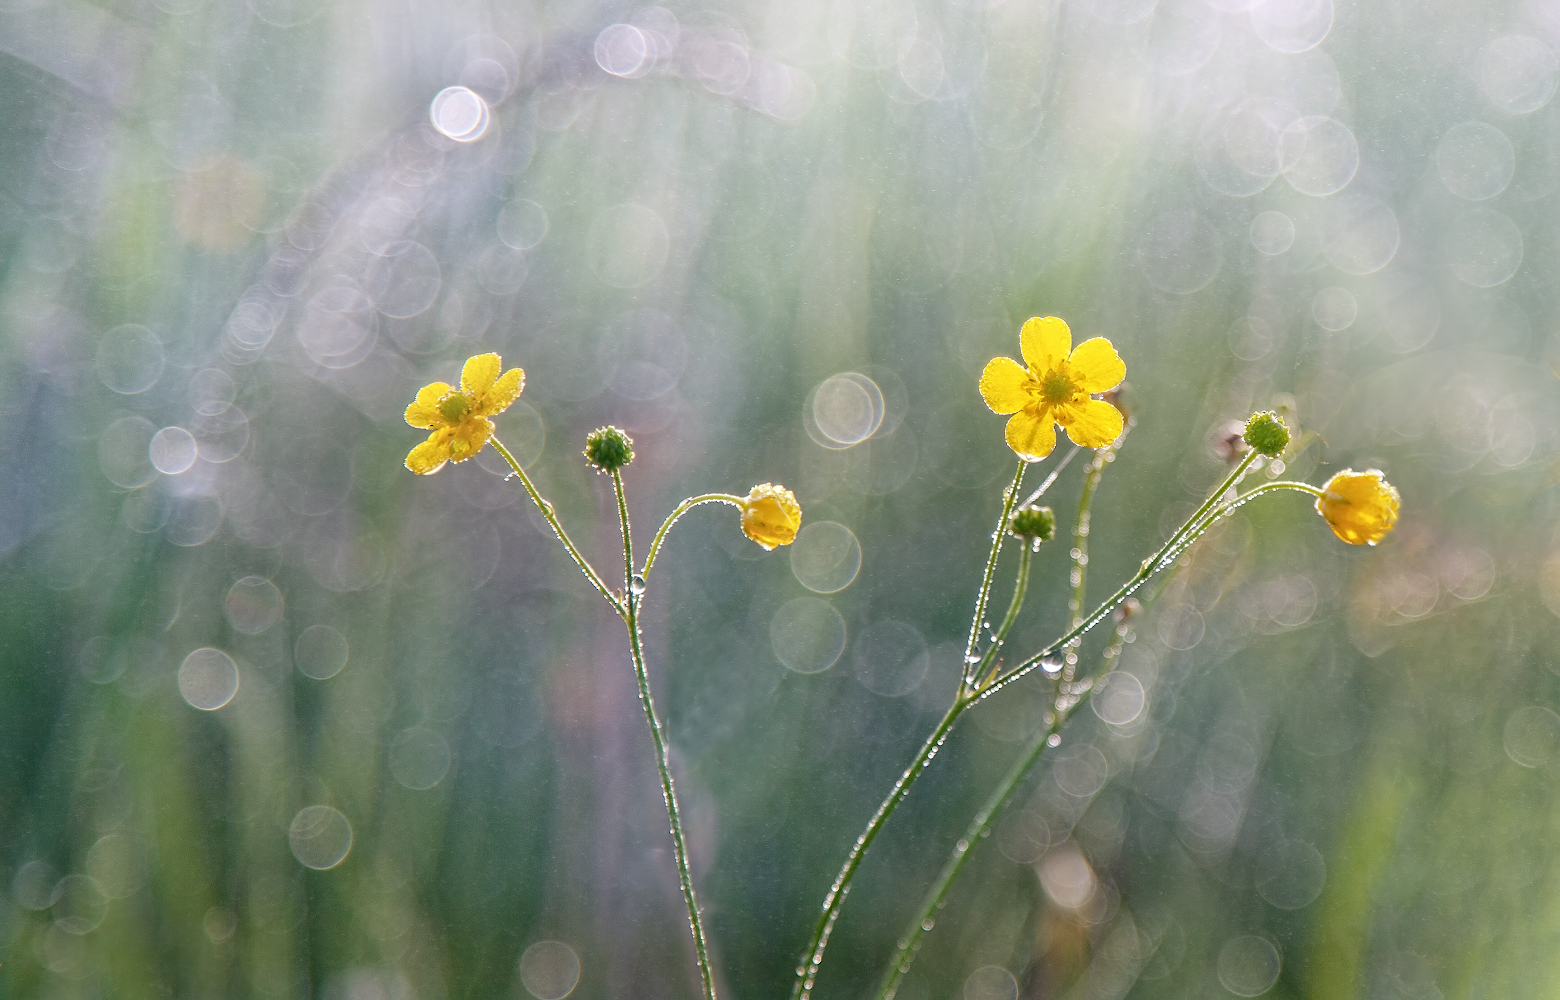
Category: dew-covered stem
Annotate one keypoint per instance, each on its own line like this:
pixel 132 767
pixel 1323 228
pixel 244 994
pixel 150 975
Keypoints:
pixel 1187 533
pixel 633 597
pixel 812 958
pixel 672 518
pixel 1009 499
pixel 563 536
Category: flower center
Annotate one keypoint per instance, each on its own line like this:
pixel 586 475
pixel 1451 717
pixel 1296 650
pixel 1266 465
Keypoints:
pixel 454 406
pixel 1056 387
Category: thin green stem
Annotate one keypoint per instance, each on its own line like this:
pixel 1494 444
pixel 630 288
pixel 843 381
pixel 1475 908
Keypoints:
pixel 1080 553
pixel 1150 566
pixel 812 958
pixel 1020 588
pixel 563 536
pixel 1055 471
pixel 980 828
pixel 662 752
pixel 967 674
pixel 683 508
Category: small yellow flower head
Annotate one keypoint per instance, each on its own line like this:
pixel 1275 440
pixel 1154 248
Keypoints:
pixel 1033 524
pixel 608 449
pixel 1360 507
pixel 1267 433
pixel 459 417
pixel 770 515
pixel 1054 389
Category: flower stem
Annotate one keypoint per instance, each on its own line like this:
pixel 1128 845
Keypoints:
pixel 980 826
pixel 1020 588
pixel 1188 532
pixel 967 674
pixel 632 602
pixel 812 958
pixel 563 536
pixel 683 508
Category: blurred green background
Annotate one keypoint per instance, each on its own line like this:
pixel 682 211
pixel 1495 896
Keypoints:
pixel 279 719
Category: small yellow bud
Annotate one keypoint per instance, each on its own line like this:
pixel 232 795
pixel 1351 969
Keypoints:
pixel 1360 507
pixel 771 515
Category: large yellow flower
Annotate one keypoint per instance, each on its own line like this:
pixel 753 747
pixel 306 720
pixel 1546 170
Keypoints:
pixel 1360 507
pixel 459 417
pixel 1054 389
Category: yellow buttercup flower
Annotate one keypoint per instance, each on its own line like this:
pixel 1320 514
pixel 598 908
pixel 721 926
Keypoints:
pixel 459 417
pixel 770 515
pixel 1054 389
pixel 1360 507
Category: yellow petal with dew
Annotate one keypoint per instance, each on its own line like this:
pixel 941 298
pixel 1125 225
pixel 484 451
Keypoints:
pixel 1360 507
pixel 1002 385
pixel 424 411
pixel 1031 433
pixel 479 374
pixel 1091 423
pixel 771 515
pixel 468 437
pixel 1045 341
pixel 505 391
pixel 1095 366
pixel 430 456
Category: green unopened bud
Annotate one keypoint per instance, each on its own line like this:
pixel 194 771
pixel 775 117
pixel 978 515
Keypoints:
pixel 1267 433
pixel 608 449
pixel 1036 524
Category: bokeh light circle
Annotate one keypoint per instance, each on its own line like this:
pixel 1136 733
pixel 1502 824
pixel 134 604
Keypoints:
pixel 1290 874
pixel 549 970
pixel 320 652
pixel 253 604
pixel 825 557
pixel 990 982
pixel 1119 698
pixel 320 837
pixel 1320 155
pixel 208 679
pixel 1272 233
pixel 419 758
pixel 807 635
pixel 172 450
pixel 1518 73
pixel 1483 247
pixel 129 359
pixel 1532 736
pixel 1475 160
pixel 1248 965
pixel 459 113
pixel 1334 309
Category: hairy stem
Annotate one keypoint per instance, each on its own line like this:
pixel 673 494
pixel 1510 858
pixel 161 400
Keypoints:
pixel 1009 499
pixel 1194 526
pixel 672 518
pixel 632 603
pixel 563 536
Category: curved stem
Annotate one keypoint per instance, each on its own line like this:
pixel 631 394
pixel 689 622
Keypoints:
pixel 1188 532
pixel 967 674
pixel 812 958
pixel 1046 483
pixel 662 752
pixel 672 518
pixel 563 536
pixel 1080 553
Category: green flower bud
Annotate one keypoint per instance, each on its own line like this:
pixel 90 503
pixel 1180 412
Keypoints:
pixel 1033 523
pixel 1267 433
pixel 608 449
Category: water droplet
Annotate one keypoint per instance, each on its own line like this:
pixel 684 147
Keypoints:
pixel 636 585
pixel 926 925
pixel 1051 664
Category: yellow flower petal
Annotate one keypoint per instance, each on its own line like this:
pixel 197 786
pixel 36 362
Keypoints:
pixel 479 374
pixel 468 437
pixel 1045 341
pixel 1095 366
pixel 1002 385
pixel 771 515
pixel 1360 507
pixel 1032 433
pixel 424 411
pixel 430 456
pixel 505 391
pixel 1091 423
